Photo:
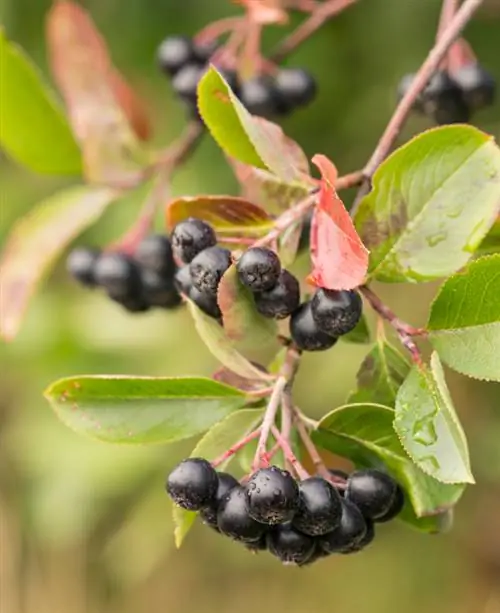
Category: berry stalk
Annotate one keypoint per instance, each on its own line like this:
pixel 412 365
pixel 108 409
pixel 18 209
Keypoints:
pixel 235 448
pixel 268 421
pixel 289 454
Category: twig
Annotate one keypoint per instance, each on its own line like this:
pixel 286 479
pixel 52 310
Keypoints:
pixel 318 17
pixel 286 423
pixel 448 10
pixel 268 421
pixel 217 28
pixel 289 454
pixel 235 448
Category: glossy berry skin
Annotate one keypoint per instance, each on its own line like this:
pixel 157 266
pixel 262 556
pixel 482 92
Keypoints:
pixel 256 546
pixel 295 86
pixel 273 495
pixel 190 237
pixel 476 84
pixel 281 300
pixel 206 302
pixel 289 545
pixel 185 82
pixel 259 269
pixel 395 508
pixel 119 275
pixel 208 267
pixel 320 508
pixel 81 265
pixel 305 332
pixel 259 96
pixel 193 484
pixel 336 312
pixel 365 541
pixel 348 534
pixel 226 482
pixel 158 291
pixel 182 280
pixel 132 304
pixel 372 491
pixel 442 99
pixel 154 253
pixel 233 518
pixel 174 53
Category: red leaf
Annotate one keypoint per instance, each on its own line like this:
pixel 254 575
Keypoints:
pixel 340 260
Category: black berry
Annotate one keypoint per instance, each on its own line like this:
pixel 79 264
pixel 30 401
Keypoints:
pixel 119 275
pixel 305 332
pixel 349 533
pixel 190 237
pixel 203 51
pixel 305 234
pixel 182 280
pixel 372 491
pixel 259 269
pixel 442 99
pixel 185 82
pixel 158 291
pixel 233 518
pixel 208 267
pixel 81 264
pixel 336 312
pixel 273 495
pixel 395 508
pixel 226 482
pixel 281 300
pixel 132 304
pixel 174 53
pixel 231 78
pixel 256 546
pixel 320 508
pixel 206 302
pixel 154 253
pixel 339 476
pixel 289 545
pixel 365 541
pixel 295 86
pixel 259 96
pixel 476 84
pixel 193 484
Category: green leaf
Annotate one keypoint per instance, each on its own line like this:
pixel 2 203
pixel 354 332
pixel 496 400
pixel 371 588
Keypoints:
pixel 433 201
pixel 464 322
pixel 218 343
pixel 380 376
pixel 240 318
pixel 36 241
pixel 360 334
pixel 364 433
pixel 251 140
pixel 215 442
pixel 123 409
pixel 491 243
pixel 428 426
pixel 33 129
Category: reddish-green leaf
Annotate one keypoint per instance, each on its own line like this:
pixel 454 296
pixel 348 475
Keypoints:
pixel 340 260
pixel 36 241
pixel 133 107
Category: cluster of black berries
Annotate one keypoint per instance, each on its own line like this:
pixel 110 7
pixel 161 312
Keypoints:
pixel 453 98
pixel 296 522
pixel 185 62
pixel 137 283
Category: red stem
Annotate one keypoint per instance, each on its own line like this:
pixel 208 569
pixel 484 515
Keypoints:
pixel 218 28
pixel 268 421
pixel 289 455
pixel 236 447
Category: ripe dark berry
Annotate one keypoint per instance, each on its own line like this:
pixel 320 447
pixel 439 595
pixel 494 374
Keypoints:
pixel 185 82
pixel 208 267
pixel 349 533
pixel 320 508
pixel 372 491
pixel 442 99
pixel 259 96
pixel 190 237
pixel 119 275
pixel 295 86
pixel 339 475
pixel 231 78
pixel 476 84
pixel 336 312
pixel 154 253
pixel 395 508
pixel 193 484
pixel 273 495
pixel 81 265
pixel 174 53
pixel 305 332
pixel 132 304
pixel 206 302
pixel 204 51
pixel 225 485
pixel 158 291
pixel 256 546
pixel 305 234
pixel 281 300
pixel 259 269
pixel 233 518
pixel 289 545
pixel 365 541
pixel 182 280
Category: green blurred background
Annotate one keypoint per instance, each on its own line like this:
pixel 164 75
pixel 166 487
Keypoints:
pixel 86 527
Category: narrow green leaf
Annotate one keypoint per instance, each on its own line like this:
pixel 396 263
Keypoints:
pixel 218 343
pixel 364 433
pixel 33 129
pixel 251 140
pixel 123 409
pixel 464 322
pixel 36 241
pixel 428 426
pixel 491 243
pixel 360 334
pixel 433 201
pixel 215 442
pixel 380 375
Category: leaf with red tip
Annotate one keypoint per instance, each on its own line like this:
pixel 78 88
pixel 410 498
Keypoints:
pixel 340 260
pixel 133 107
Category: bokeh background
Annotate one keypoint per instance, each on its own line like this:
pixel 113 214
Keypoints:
pixel 86 527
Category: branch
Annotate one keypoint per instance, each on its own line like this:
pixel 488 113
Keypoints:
pixel 268 421
pixel 289 455
pixel 235 448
